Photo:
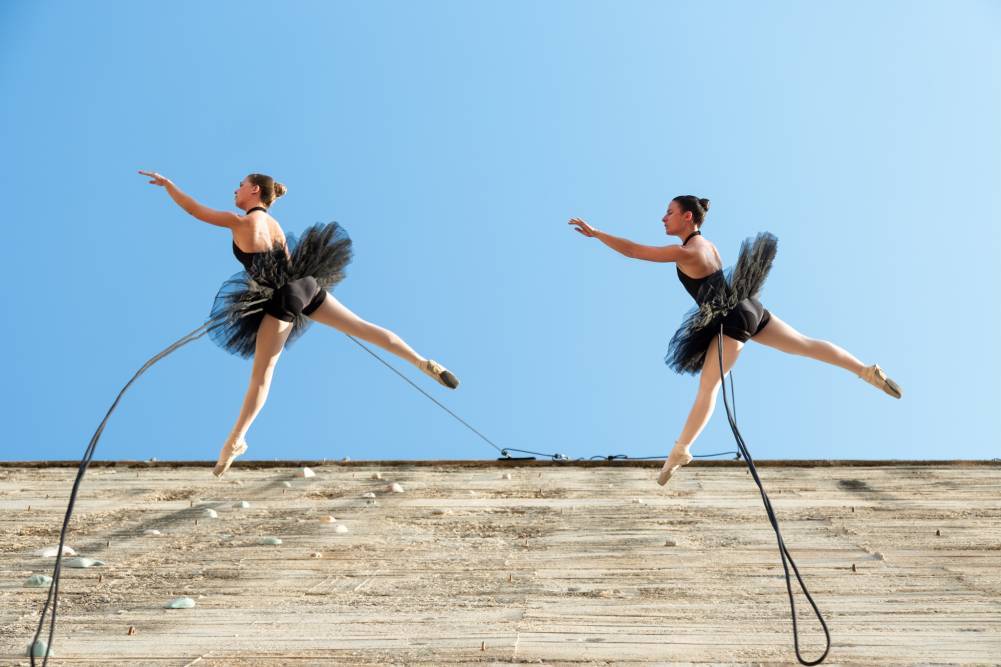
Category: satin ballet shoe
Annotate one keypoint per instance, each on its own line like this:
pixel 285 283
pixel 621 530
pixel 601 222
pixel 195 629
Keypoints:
pixel 441 374
pixel 875 376
pixel 677 458
pixel 228 454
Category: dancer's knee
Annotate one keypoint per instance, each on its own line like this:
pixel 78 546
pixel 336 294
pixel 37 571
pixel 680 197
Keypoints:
pixel 708 386
pixel 263 370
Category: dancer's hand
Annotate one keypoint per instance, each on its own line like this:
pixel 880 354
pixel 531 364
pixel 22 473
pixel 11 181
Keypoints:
pixel 157 178
pixel 582 227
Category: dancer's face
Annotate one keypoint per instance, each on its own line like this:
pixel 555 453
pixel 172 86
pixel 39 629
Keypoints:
pixel 676 219
pixel 245 194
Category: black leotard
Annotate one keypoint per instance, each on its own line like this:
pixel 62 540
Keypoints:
pixel 745 320
pixel 297 296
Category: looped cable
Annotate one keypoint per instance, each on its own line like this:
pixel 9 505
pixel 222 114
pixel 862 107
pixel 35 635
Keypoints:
pixel 783 552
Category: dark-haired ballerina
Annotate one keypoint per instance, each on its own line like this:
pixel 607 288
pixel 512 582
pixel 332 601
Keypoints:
pixel 727 300
pixel 260 311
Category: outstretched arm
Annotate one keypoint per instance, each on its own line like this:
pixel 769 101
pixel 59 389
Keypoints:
pixel 203 213
pixel 667 253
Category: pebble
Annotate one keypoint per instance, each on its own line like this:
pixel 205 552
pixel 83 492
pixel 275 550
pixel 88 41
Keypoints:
pixel 506 475
pixel 38 581
pixel 316 554
pixel 305 472
pixel 639 501
pixel 377 475
pixel 287 484
pixel 151 531
pixel 372 503
pixel 328 519
pixel 38 649
pixel 340 528
pixel 50 552
pixel 83 562
pixel 243 504
pixel 270 540
pixel 670 543
pixel 368 494
pixel 211 513
pixel 180 603
pixel 395 488
pixel 441 512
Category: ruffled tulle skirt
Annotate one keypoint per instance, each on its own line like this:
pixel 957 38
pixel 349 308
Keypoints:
pixel 721 301
pixel 316 262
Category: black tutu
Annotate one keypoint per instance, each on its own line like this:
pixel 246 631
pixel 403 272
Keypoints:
pixel 322 253
pixel 738 286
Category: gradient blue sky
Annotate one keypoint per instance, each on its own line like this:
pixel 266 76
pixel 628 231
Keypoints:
pixel 453 140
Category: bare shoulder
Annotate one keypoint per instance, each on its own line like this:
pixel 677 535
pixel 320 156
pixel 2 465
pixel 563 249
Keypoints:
pixel 702 258
pixel 715 252
pixel 275 232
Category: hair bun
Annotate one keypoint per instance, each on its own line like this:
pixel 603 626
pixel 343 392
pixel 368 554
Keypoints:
pixel 705 204
pixel 280 189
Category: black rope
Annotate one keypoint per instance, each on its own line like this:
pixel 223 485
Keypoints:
pixel 783 552
pixel 53 597
pixel 505 451
pixel 436 401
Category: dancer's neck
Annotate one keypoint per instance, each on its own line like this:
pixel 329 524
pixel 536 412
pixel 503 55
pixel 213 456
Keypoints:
pixel 690 236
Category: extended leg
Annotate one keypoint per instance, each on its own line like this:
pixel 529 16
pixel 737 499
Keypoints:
pixel 271 337
pixel 335 314
pixel 705 403
pixel 709 383
pixel 783 337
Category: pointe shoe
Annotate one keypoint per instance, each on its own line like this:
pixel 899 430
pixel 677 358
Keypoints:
pixel 875 376
pixel 228 454
pixel 675 460
pixel 441 374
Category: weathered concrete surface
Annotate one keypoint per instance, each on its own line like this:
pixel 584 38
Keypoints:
pixel 559 564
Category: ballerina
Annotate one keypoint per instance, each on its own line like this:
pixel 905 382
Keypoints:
pixel 730 301
pixel 260 311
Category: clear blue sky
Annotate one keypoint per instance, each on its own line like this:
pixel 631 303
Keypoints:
pixel 453 140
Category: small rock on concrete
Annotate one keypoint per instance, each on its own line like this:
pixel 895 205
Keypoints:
pixel 38 581
pixel 180 603
pixel 50 552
